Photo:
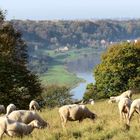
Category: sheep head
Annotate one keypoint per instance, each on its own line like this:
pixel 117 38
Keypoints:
pixel 36 124
pixel 93 116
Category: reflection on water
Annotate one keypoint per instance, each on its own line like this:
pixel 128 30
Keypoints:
pixel 79 91
pixel 83 68
pixel 83 64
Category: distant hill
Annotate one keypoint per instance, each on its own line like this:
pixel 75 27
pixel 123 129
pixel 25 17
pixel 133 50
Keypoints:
pixel 54 34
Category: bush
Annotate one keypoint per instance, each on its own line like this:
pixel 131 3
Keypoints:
pixel 55 95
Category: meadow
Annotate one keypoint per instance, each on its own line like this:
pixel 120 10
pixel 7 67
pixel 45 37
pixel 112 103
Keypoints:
pixel 57 71
pixel 107 126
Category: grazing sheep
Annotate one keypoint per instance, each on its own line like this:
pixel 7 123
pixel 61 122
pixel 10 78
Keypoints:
pixel 26 117
pixel 2 109
pixel 90 101
pixel 135 107
pixel 74 112
pixel 10 108
pixel 127 94
pixel 34 105
pixel 14 128
pixel 124 107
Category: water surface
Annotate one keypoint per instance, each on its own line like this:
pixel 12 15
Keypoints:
pixel 79 90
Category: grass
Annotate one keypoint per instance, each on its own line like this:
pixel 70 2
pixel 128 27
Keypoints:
pixel 59 75
pixel 57 72
pixel 107 126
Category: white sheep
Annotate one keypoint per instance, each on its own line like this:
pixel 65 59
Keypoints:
pixel 90 101
pixel 34 105
pixel 14 128
pixel 26 117
pixel 135 107
pixel 124 107
pixel 74 112
pixel 10 108
pixel 127 94
pixel 2 109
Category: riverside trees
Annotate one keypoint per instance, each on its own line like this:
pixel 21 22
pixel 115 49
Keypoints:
pixel 118 71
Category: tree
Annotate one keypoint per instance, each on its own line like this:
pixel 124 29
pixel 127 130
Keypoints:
pixel 17 84
pixel 118 71
pixel 55 95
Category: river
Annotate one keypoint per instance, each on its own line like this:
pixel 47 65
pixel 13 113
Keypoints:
pixel 83 68
pixel 79 90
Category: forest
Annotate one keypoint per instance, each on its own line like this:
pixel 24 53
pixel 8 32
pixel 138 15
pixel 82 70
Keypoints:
pixel 76 34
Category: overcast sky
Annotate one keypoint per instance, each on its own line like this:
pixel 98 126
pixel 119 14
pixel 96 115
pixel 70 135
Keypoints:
pixel 70 9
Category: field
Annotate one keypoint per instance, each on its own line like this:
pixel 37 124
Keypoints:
pixel 59 75
pixel 107 126
pixel 57 72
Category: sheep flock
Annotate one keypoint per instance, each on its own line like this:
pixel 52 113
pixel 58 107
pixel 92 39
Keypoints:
pixel 14 122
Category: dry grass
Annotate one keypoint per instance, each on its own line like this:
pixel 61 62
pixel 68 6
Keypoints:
pixel 106 127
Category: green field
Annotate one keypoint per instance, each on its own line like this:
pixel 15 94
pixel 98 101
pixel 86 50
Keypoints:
pixel 107 126
pixel 57 72
pixel 59 75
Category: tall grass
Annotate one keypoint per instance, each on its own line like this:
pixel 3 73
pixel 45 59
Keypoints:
pixel 107 126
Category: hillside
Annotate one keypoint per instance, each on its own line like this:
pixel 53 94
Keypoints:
pixel 88 33
pixel 46 39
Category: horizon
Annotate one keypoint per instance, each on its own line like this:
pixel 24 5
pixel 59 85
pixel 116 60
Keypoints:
pixel 71 10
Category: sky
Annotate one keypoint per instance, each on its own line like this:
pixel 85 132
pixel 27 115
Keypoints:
pixel 70 9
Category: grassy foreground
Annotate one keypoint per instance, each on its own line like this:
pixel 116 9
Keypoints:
pixel 106 127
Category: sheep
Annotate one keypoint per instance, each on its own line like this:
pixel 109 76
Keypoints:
pixel 90 101
pixel 124 107
pixel 10 108
pixel 14 128
pixel 74 112
pixel 135 107
pixel 2 109
pixel 34 105
pixel 127 94
pixel 26 116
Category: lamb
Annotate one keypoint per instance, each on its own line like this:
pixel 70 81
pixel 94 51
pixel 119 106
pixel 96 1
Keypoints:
pixel 34 105
pixel 135 107
pixel 127 94
pixel 74 112
pixel 124 107
pixel 2 109
pixel 14 128
pixel 10 108
pixel 26 116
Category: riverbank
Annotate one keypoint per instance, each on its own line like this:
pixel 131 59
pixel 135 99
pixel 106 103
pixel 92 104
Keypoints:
pixel 61 71
pixel 79 90
pixel 59 75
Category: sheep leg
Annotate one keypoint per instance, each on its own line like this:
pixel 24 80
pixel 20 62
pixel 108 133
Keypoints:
pixel 138 111
pixel 130 115
pixel 124 116
pixel 1 134
pixel 63 120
